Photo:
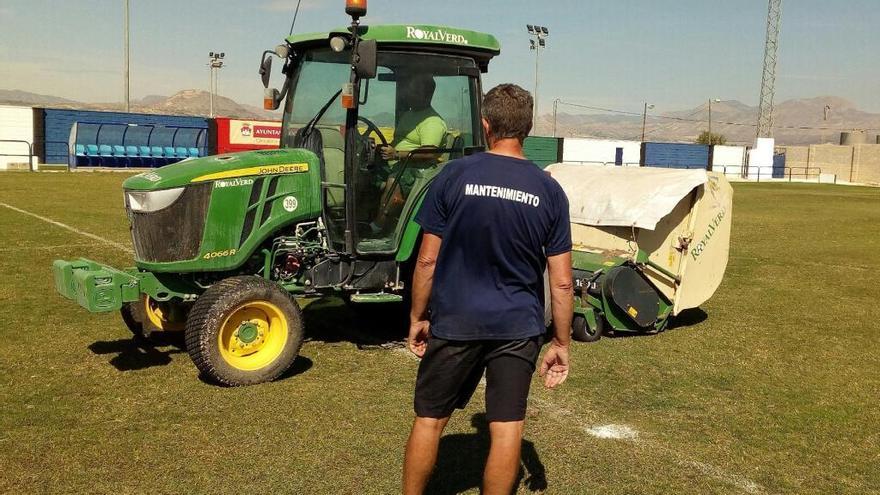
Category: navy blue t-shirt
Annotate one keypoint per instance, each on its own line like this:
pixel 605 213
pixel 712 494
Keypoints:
pixel 499 217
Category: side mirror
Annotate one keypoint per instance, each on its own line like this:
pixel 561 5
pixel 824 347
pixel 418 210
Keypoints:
pixel 266 71
pixel 365 62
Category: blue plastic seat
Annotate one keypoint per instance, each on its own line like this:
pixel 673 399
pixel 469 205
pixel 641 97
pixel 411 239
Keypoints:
pixel 169 152
pixel 156 152
pixel 80 150
pixel 144 151
pixel 105 150
pixel 118 150
pixel 92 149
pixel 181 152
pixel 194 152
pixel 131 151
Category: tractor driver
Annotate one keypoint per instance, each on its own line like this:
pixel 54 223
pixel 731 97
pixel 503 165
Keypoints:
pixel 420 127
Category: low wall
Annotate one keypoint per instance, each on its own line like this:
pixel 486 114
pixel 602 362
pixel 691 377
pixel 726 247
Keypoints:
pixel 600 150
pixel 858 163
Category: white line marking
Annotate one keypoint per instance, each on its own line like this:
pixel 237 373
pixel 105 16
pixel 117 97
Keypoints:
pixel 72 229
pixel 406 352
pixel 614 432
pixel 629 434
pixel 716 472
pixel 46 248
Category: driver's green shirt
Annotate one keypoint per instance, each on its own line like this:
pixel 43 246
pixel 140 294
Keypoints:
pixel 416 128
pixel 419 128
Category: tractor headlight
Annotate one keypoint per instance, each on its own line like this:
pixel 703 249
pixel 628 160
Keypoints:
pixel 150 201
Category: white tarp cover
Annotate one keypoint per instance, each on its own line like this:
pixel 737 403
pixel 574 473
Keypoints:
pixel 623 196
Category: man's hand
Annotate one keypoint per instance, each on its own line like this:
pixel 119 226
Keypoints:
pixel 554 366
pixel 388 152
pixel 419 331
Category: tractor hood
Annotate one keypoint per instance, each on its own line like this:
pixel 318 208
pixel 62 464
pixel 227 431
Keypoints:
pixel 220 167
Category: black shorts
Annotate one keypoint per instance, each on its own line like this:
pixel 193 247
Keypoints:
pixel 451 370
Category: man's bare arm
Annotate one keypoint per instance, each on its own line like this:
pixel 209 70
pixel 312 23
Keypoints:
pixel 561 296
pixel 555 364
pixel 424 276
pixel 419 327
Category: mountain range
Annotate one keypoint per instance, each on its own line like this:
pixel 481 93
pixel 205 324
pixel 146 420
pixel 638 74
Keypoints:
pixel 796 122
pixel 186 102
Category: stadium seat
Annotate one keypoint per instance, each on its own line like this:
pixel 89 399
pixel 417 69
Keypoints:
pixel 194 152
pixel 92 149
pixel 181 152
pixel 80 150
pixel 156 152
pixel 131 151
pixel 118 150
pixel 169 152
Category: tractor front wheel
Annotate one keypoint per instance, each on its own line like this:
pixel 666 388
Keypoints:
pixel 243 331
pixel 148 315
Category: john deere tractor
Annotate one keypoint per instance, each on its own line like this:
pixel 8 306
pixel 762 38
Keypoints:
pixel 224 245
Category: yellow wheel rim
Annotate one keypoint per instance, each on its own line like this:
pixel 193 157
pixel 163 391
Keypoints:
pixel 253 335
pixel 157 315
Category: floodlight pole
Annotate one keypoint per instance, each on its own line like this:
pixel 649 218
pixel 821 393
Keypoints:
pixel 537 42
pixel 537 61
pixel 645 119
pixel 211 90
pixel 716 100
pixel 215 64
pixel 555 107
pixel 126 72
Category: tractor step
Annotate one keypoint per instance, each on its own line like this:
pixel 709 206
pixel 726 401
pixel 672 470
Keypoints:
pixel 379 297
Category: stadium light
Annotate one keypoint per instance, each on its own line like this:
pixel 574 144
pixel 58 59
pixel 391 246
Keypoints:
pixel 215 64
pixel 537 42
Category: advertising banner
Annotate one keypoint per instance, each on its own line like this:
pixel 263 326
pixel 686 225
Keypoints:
pixel 254 133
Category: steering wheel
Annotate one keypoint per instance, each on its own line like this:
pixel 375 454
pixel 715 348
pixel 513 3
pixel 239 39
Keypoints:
pixel 371 127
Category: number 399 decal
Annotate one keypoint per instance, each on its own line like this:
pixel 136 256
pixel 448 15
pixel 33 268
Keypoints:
pixel 219 254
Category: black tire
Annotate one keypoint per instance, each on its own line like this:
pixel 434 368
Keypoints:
pixel 225 299
pixel 136 317
pixel 130 318
pixel 582 332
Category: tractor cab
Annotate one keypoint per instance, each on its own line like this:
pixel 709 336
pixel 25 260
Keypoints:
pixel 383 108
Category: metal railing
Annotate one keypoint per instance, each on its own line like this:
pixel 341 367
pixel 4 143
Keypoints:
pixel 45 145
pixel 27 145
pixel 789 174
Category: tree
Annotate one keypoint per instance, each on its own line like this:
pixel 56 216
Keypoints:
pixel 713 139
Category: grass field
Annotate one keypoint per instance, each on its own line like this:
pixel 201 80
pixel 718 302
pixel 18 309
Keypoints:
pixel 776 389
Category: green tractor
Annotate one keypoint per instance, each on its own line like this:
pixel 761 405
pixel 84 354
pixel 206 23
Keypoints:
pixel 224 245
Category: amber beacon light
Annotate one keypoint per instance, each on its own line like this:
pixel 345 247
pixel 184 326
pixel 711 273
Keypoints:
pixel 356 8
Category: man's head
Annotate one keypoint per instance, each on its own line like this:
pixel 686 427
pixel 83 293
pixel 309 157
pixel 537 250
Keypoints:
pixel 507 113
pixel 417 90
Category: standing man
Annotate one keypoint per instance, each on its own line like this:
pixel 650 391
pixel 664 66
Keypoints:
pixel 492 222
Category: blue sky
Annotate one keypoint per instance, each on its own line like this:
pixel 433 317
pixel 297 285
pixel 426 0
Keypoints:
pixel 672 53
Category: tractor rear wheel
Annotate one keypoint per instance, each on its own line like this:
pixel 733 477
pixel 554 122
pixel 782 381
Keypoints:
pixel 243 331
pixel 581 331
